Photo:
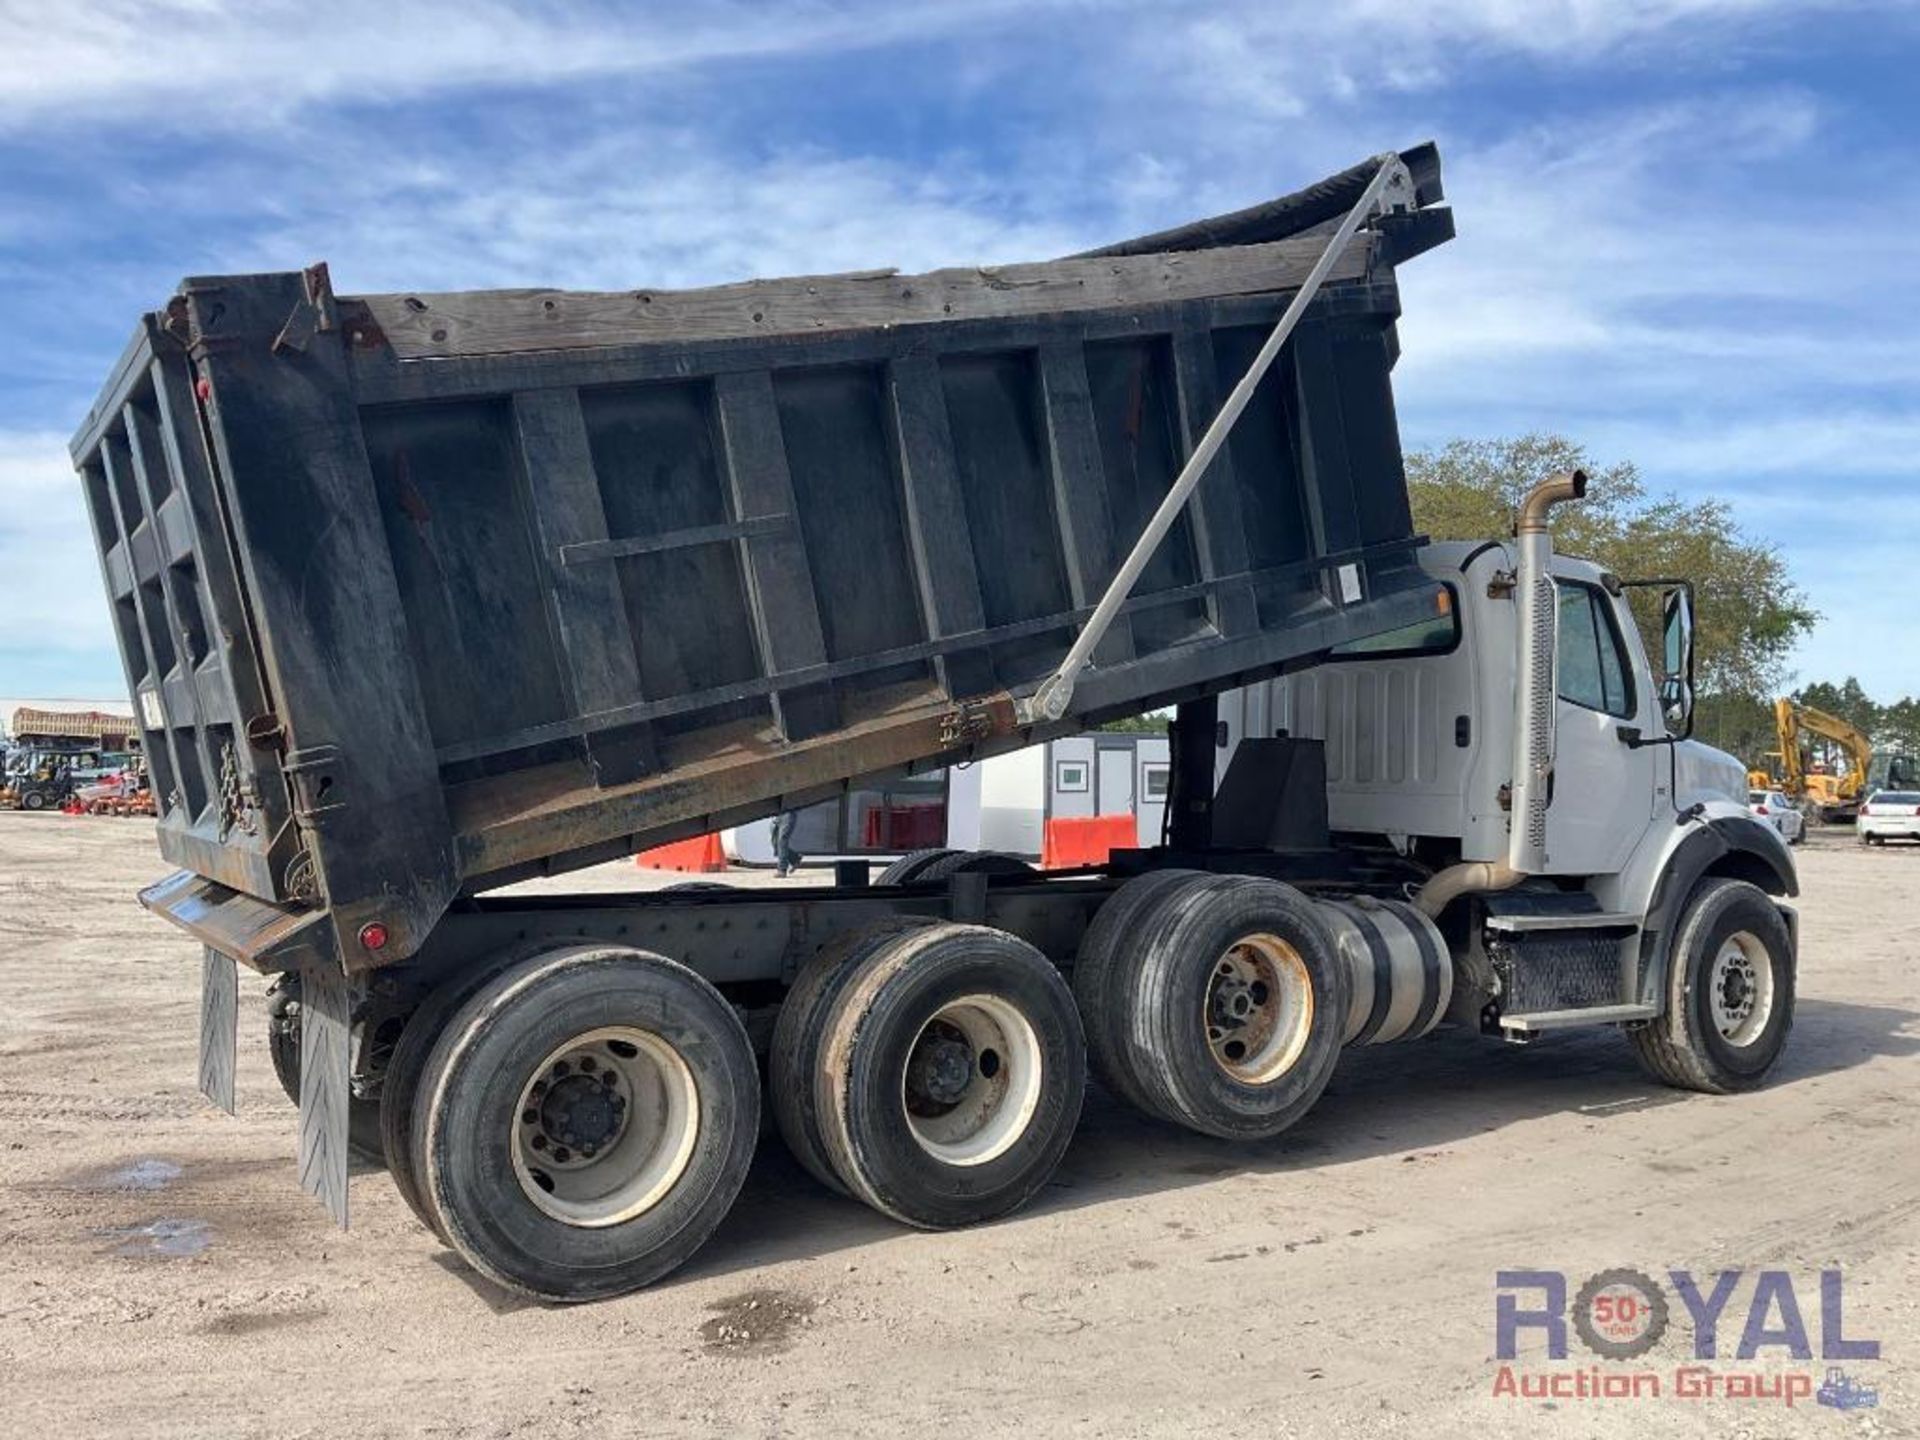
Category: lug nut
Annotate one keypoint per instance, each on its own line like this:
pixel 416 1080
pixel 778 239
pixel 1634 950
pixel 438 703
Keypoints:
pixel 586 1065
pixel 529 1116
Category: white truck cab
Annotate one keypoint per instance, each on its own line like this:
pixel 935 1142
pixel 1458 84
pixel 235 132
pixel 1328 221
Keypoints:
pixel 1573 912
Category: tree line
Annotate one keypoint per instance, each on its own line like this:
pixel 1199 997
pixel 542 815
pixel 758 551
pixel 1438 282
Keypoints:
pixel 1749 614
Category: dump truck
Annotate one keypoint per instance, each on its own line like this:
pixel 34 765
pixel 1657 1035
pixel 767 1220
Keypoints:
pixel 420 595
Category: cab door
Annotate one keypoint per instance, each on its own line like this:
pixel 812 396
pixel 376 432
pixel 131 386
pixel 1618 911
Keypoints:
pixel 1603 788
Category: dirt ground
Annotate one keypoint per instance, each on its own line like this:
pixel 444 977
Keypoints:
pixel 161 1273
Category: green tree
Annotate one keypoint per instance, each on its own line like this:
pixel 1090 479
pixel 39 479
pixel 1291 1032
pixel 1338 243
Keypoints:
pixel 1750 612
pixel 1898 727
pixel 1154 722
pixel 1848 700
pixel 1739 724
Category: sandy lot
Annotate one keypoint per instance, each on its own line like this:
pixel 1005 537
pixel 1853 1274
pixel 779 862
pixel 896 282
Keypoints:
pixel 161 1274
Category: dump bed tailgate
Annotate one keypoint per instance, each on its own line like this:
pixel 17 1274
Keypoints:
pixel 182 621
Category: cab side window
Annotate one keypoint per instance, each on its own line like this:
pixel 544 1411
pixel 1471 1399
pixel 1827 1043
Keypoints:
pixel 1593 663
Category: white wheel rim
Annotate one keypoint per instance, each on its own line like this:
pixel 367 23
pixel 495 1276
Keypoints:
pixel 1740 989
pixel 1258 1009
pixel 605 1127
pixel 972 1081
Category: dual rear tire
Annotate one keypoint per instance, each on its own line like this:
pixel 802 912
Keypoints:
pixel 1216 1002
pixel 919 866
pixel 934 1071
pixel 576 1125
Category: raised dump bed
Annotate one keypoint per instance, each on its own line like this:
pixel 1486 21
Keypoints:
pixel 421 593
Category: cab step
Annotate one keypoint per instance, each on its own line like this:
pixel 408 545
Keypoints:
pixel 1538 1021
pixel 1581 920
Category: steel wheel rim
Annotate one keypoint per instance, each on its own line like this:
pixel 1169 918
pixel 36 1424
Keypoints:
pixel 1740 989
pixel 970 1111
pixel 605 1127
pixel 1258 1009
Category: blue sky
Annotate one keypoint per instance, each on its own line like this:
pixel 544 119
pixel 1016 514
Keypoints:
pixel 1686 226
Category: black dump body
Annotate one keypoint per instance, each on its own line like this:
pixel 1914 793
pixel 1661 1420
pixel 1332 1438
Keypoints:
pixel 418 594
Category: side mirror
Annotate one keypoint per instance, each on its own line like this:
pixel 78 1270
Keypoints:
pixel 1676 644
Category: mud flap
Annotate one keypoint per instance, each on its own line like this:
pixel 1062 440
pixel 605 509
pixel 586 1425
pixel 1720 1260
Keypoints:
pixel 325 1043
pixel 219 1016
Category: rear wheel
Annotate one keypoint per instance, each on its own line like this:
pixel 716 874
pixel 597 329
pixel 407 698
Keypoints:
pixel 904 870
pixel 1224 1003
pixel 1730 993
pixel 409 1062
pixel 799 1035
pixel 973 862
pixel 585 1121
pixel 948 1074
pixel 1099 958
pixel 33 800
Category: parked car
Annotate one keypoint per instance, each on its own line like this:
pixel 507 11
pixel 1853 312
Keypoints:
pixel 1780 812
pixel 1889 814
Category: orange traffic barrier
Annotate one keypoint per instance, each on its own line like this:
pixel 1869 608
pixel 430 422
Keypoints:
pixel 1086 840
pixel 701 855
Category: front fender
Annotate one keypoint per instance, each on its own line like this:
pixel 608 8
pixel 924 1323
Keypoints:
pixel 1727 844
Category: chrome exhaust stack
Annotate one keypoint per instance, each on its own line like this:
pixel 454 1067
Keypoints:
pixel 1538 607
pixel 1534 694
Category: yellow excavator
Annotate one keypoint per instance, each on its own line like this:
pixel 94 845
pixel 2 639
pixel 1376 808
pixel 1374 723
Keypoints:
pixel 1830 798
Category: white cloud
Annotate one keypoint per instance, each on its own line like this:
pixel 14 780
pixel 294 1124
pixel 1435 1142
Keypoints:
pixel 1880 448
pixel 205 63
pixel 243 63
pixel 1648 262
pixel 1262 63
pixel 644 205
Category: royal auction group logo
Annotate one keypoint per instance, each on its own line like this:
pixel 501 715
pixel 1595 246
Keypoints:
pixel 1621 1315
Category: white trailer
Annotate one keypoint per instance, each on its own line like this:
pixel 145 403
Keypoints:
pixel 1002 803
pixel 1077 776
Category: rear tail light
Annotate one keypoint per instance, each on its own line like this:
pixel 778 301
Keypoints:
pixel 1759 809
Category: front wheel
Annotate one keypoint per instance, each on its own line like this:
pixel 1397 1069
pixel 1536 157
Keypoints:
pixel 585 1121
pixel 1730 992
